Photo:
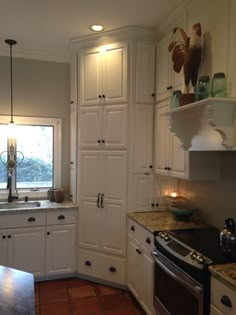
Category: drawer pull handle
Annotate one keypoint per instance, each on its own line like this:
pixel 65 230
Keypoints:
pixel 31 219
pixel 148 240
pixel 61 217
pixel 225 300
pixel 88 263
pixel 132 228
pixel 112 269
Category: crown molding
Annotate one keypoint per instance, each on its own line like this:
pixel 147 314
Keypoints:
pixel 124 33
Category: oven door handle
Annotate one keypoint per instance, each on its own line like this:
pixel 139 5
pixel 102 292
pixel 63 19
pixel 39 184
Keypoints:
pixel 188 283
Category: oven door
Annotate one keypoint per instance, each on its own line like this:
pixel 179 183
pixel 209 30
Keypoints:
pixel 176 293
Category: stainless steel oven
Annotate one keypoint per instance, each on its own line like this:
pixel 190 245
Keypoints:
pixel 182 279
pixel 175 290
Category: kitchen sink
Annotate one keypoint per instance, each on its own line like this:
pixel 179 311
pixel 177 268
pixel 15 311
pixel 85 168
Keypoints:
pixel 19 205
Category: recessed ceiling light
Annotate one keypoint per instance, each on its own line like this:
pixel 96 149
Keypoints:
pixel 96 28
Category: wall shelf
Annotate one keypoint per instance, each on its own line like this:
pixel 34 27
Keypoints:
pixel 207 125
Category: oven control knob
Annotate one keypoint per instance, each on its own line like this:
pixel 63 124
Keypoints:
pixel 200 259
pixel 162 234
pixel 166 238
pixel 193 255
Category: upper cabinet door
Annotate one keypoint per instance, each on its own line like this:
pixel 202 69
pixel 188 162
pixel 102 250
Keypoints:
pixel 90 78
pixel 163 78
pixel 143 141
pixel 114 134
pixel 103 75
pixel 115 73
pixel 145 72
pixel 90 122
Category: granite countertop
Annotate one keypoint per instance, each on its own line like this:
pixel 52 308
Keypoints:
pixel 164 220
pixel 16 292
pixel 44 205
pixel 225 273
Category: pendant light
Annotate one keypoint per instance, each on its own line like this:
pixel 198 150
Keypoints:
pixel 11 126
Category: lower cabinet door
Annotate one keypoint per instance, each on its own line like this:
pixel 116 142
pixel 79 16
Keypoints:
pixel 60 249
pixel 26 249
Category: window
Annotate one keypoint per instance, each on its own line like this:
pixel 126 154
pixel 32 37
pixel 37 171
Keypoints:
pixel 39 164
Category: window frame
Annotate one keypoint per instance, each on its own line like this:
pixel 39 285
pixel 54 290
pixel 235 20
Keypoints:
pixel 40 121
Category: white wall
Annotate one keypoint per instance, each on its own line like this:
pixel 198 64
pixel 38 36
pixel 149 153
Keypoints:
pixel 40 88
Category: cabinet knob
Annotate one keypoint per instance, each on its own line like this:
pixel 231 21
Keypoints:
pixel 9 236
pixel 72 102
pixel 138 251
pixel 48 233
pixel 99 141
pixel 157 204
pixel 148 240
pixel 153 204
pixel 153 94
pixel 71 163
pixel 100 96
pixel 103 95
pixel 88 263
pixel 31 219
pixel 170 87
pixel 112 269
pixel 132 228
pixel 225 300
pixel 103 141
pixel 61 217
pixel 150 166
pixel 4 236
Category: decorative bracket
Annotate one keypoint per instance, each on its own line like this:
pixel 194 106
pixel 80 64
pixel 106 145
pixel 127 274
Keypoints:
pixel 205 125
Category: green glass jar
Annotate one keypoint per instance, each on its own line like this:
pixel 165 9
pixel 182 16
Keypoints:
pixel 203 88
pixel 174 103
pixel 219 85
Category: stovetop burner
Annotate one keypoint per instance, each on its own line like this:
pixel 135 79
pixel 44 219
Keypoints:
pixel 207 242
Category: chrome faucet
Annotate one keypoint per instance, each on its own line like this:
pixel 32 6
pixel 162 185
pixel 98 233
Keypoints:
pixel 9 186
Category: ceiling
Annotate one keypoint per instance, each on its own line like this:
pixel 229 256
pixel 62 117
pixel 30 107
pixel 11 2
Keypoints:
pixel 43 29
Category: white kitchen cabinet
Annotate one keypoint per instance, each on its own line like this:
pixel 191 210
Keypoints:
pixel 223 298
pixel 143 139
pixel 103 74
pixel 145 72
pixel 103 127
pixel 167 80
pixel 144 192
pixel 102 205
pixel 141 266
pixel 170 158
pixel 24 249
pixel 73 153
pixel 42 243
pixel 60 249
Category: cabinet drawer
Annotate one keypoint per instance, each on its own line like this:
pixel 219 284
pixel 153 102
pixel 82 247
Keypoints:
pixel 147 239
pixel 220 291
pixel 141 234
pixel 61 217
pixel 135 230
pixel 101 266
pixel 22 220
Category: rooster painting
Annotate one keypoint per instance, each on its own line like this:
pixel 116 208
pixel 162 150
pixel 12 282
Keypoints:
pixel 187 54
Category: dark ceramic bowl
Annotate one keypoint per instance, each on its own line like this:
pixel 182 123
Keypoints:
pixel 181 214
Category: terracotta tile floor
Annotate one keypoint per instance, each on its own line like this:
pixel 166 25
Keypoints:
pixel 75 296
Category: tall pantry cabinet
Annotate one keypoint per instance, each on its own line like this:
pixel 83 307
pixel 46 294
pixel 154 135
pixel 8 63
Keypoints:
pixel 107 85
